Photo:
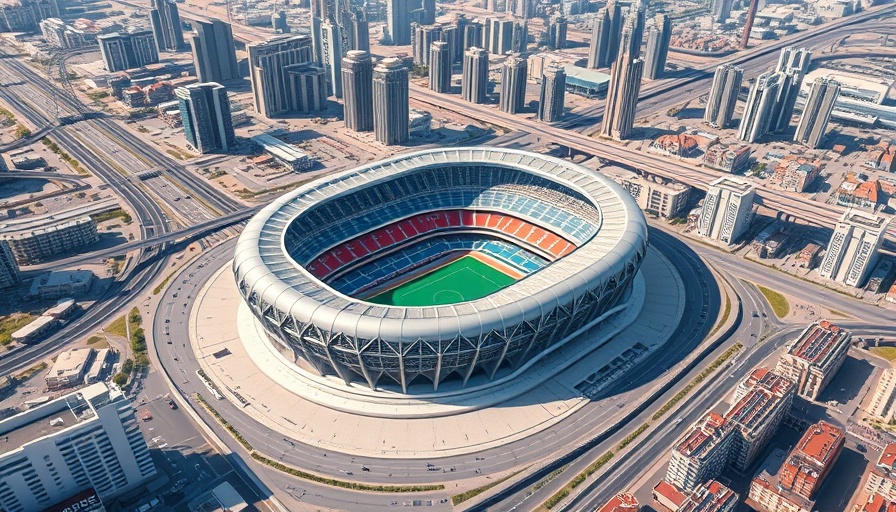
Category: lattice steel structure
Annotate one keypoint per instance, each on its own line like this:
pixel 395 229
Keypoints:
pixel 372 343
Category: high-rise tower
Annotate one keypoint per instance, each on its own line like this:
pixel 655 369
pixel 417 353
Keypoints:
pixel 474 83
pixel 214 56
pixel 331 39
pixel 165 21
pixel 658 47
pixel 622 95
pixel 853 250
pixel 727 210
pixel 205 111
pixel 757 118
pixel 513 84
pixel 440 66
pixel 357 83
pixel 550 99
pixel 269 81
pixel 390 102
pixel 722 98
pixel 817 112
pixel 398 21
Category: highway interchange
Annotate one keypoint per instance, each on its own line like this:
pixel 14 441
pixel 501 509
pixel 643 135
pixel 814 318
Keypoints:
pixel 99 144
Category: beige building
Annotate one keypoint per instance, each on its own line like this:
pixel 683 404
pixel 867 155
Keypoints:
pixel 814 358
pixel 881 405
pixel 658 196
pixel 33 246
pixel 69 368
pixel 9 270
pixel 701 454
pixel 882 477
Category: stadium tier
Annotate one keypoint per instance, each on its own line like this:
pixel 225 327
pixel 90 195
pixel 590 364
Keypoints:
pixel 439 264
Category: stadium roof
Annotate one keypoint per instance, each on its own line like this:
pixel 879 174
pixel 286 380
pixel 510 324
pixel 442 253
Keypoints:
pixel 263 264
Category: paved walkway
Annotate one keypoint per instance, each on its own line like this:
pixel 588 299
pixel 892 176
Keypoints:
pixel 324 412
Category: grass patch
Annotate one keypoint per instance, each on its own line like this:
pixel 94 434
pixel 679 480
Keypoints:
pixel 27 374
pixel 117 213
pixel 12 323
pixel 560 495
pixel 22 132
pixel 224 423
pixel 161 286
pixel 117 328
pixel 52 146
pixel 725 314
pixel 697 380
pixel 94 339
pixel 457 499
pixel 216 174
pixel 778 302
pixel 888 353
pixel 137 340
pixel 98 95
pixel 342 483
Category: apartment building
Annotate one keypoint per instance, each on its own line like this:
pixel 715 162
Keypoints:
pixel 814 358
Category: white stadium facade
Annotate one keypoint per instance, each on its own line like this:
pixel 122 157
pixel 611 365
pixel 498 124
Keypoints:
pixel 314 265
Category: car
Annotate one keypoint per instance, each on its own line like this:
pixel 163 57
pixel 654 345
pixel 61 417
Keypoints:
pixel 171 404
pixel 167 320
pixel 365 468
pixel 146 415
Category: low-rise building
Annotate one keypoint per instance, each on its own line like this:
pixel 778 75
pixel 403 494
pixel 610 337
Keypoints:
pixel 877 503
pixel 711 496
pixel 36 329
pixel 284 153
pixel 769 242
pixel 222 497
pixel 865 195
pixel 70 368
pixel 622 502
pixel 882 477
pixel 881 157
pixel 808 256
pixel 795 173
pixel 675 144
pixel 789 482
pixel 34 246
pixel 67 283
pixel 657 196
pixel 814 358
pixel 727 157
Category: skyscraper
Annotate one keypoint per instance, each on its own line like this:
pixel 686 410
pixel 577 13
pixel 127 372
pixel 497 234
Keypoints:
pixel 853 250
pixel 474 82
pixel 165 21
pixel 600 40
pixel 9 270
pixel 622 97
pixel 279 23
pixel 306 85
pixel 557 31
pixel 757 118
pixel 817 112
pixel 440 67
pixel 721 10
pixel 793 63
pixel 266 62
pixel 128 50
pixel 513 84
pixel 472 36
pixel 500 36
pixel 398 21
pixel 331 39
pixel 450 36
pixel 214 55
pixel 390 102
pixel 553 88
pixel 205 111
pixel 722 98
pixel 632 33
pixel 658 47
pixel 357 83
pixel 360 31
pixel 422 37
pixel 727 210
pixel 86 439
pixel 519 39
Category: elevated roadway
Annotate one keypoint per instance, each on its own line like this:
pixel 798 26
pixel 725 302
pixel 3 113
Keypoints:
pixel 37 175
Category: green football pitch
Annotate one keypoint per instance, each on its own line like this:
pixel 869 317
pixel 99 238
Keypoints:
pixel 462 280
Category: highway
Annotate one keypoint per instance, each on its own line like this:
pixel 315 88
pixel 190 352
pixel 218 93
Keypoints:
pixel 586 426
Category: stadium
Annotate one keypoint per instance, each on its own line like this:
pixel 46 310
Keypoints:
pixel 439 265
